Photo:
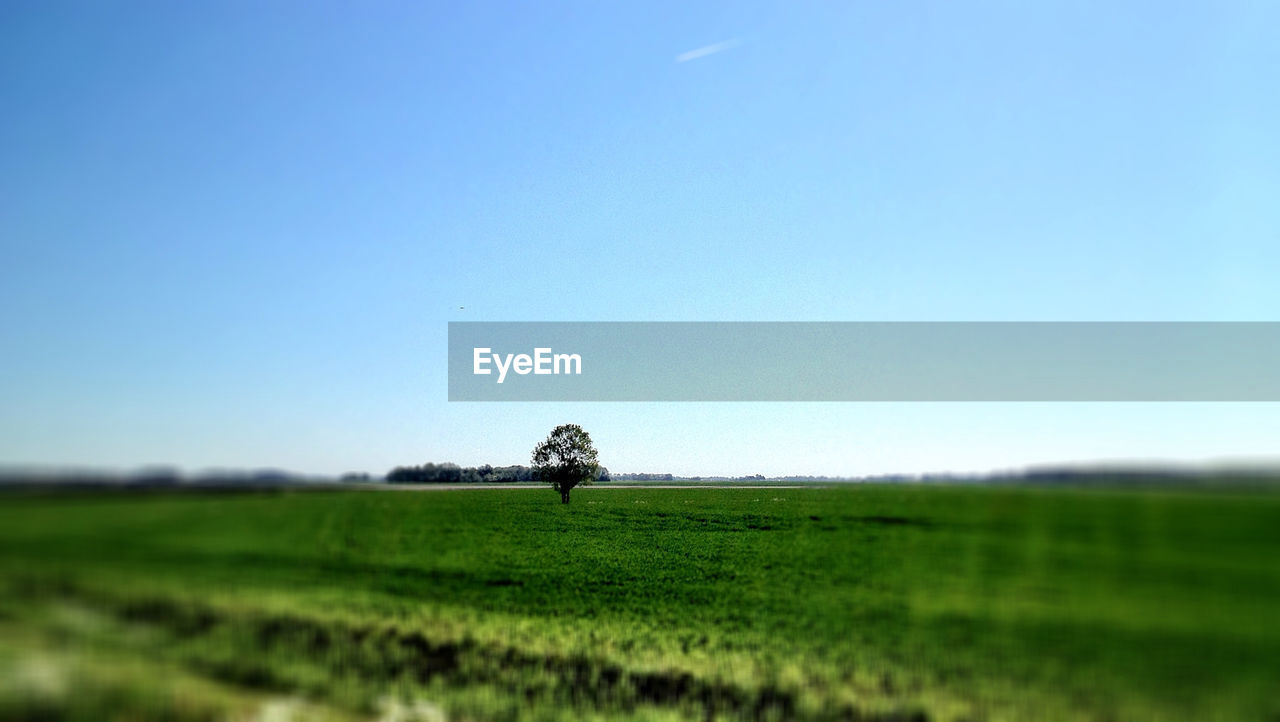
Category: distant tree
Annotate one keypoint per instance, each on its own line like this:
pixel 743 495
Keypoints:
pixel 448 473
pixel 428 473
pixel 566 459
pixel 506 474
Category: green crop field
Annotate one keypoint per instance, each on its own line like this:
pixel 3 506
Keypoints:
pixel 861 603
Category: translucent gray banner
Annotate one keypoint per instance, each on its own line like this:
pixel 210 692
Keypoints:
pixel 864 361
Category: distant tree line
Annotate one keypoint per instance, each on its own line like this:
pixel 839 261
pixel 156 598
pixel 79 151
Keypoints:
pixel 447 473
pixel 643 477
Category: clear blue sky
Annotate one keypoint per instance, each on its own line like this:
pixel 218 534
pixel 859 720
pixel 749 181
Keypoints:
pixel 233 233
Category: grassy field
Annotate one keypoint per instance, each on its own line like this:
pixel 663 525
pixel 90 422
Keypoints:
pixel 862 603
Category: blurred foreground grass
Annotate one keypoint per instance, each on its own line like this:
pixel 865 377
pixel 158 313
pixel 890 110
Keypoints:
pixel 889 602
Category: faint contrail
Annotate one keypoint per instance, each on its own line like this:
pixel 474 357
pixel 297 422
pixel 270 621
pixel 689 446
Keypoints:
pixel 707 50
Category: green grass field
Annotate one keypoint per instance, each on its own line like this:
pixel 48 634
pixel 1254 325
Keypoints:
pixel 861 603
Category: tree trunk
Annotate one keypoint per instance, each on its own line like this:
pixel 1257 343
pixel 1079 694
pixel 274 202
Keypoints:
pixel 564 496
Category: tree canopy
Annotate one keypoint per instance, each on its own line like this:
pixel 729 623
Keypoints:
pixel 566 459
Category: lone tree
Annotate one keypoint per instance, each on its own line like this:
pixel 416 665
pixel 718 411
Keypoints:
pixel 566 459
